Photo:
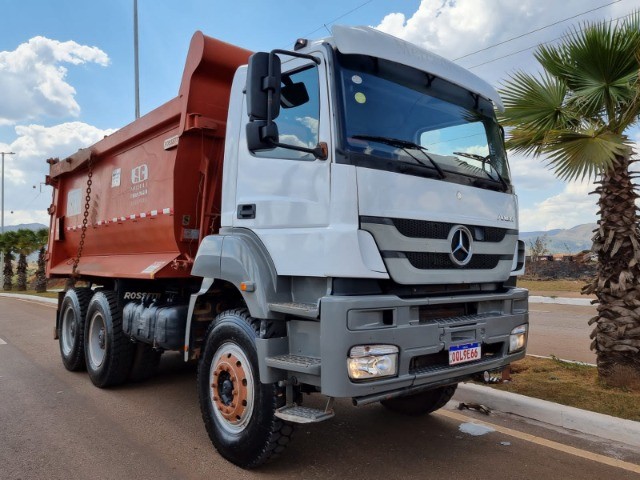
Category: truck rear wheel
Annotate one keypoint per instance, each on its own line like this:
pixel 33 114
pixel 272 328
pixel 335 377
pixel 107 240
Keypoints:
pixel 238 410
pixel 71 327
pixel 108 351
pixel 421 403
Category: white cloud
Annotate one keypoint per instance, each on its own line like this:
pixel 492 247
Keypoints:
pixel 33 79
pixel 530 173
pixel 573 206
pixel 26 200
pixel 457 28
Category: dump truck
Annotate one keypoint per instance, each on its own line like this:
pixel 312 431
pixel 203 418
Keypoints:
pixel 335 220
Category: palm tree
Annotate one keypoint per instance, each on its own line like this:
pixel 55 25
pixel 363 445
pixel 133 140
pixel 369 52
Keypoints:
pixel 41 237
pixel 25 245
pixel 576 113
pixel 7 245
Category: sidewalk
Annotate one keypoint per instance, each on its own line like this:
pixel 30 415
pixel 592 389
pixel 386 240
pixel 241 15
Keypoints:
pixel 33 298
pixel 591 423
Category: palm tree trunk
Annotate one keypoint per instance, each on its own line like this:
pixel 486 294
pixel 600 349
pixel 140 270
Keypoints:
pixel 7 270
pixel 41 279
pixel 22 273
pixel 616 335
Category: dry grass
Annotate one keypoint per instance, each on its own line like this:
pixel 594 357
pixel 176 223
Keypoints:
pixel 571 384
pixel 558 286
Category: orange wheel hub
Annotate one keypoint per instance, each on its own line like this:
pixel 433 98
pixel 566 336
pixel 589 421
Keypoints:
pixel 229 388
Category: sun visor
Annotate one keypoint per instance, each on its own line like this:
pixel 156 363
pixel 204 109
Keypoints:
pixel 369 41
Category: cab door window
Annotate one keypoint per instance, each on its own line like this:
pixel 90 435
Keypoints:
pixel 299 114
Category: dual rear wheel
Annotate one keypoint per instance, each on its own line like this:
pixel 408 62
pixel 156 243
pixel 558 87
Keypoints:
pixel 91 336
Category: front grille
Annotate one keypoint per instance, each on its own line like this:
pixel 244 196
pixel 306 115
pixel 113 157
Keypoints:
pixel 436 362
pixel 441 261
pixel 440 230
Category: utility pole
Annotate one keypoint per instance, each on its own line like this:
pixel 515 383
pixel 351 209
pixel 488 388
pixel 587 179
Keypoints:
pixel 135 56
pixel 2 214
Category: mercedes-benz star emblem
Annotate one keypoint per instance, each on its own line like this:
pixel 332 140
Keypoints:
pixel 461 245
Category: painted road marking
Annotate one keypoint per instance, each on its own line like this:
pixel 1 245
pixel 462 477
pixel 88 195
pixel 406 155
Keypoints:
pixel 2 342
pixel 613 462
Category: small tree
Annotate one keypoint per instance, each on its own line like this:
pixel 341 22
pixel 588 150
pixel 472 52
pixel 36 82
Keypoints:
pixel 7 245
pixel 538 247
pixel 25 245
pixel 42 237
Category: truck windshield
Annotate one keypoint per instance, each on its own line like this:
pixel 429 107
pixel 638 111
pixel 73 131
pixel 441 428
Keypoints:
pixel 401 119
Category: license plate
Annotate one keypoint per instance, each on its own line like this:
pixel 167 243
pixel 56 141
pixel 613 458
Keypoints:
pixel 464 353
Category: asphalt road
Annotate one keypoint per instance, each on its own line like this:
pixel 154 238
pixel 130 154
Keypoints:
pixel 55 425
pixel 561 330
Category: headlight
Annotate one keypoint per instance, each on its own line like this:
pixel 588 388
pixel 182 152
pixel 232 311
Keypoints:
pixel 372 361
pixel 518 338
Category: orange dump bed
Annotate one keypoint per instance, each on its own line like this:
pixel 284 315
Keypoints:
pixel 155 185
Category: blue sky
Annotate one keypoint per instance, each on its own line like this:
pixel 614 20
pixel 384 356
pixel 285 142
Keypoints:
pixel 66 70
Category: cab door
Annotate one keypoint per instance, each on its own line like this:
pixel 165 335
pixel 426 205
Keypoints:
pixel 283 195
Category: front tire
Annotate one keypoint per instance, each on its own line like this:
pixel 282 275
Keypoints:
pixel 73 313
pixel 421 403
pixel 108 351
pixel 238 410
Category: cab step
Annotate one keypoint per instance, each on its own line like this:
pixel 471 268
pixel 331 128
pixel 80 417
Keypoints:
pixel 307 310
pixel 295 363
pixel 299 414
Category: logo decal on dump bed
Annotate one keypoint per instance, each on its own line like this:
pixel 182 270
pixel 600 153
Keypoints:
pixel 139 174
pixel 139 177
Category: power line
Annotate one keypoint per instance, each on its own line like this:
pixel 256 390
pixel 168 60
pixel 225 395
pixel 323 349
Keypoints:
pixel 540 44
pixel 324 25
pixel 536 30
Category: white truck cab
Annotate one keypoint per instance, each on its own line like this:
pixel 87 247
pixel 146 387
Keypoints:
pixel 368 209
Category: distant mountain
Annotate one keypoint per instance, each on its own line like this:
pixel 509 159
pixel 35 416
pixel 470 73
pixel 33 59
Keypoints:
pixel 28 226
pixel 570 240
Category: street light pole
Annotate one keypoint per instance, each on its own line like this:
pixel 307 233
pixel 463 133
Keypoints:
pixel 2 214
pixel 135 56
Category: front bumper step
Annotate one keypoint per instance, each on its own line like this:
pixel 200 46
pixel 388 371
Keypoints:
pixel 299 414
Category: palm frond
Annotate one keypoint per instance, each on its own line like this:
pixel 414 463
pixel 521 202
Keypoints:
pixel 580 155
pixel 598 65
pixel 537 102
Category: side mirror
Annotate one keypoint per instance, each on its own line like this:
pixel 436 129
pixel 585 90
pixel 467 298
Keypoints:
pixel 262 136
pixel 263 86
pixel 264 94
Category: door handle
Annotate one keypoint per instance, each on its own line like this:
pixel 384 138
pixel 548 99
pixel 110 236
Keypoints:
pixel 247 211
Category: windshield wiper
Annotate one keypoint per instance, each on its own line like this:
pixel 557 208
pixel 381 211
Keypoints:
pixel 485 160
pixel 405 146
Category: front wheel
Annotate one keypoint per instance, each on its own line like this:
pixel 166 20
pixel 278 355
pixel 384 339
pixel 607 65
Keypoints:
pixel 238 410
pixel 421 403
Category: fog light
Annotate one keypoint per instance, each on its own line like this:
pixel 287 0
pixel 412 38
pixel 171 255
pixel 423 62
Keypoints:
pixel 372 361
pixel 518 338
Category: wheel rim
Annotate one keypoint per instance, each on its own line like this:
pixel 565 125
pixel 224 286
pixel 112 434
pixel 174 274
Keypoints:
pixel 97 340
pixel 68 333
pixel 231 388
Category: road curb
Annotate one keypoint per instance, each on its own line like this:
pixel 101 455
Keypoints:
pixel 582 302
pixel 33 298
pixel 591 423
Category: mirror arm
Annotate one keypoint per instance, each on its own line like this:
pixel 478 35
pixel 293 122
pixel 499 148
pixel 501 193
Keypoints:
pixel 320 151
pixel 298 55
